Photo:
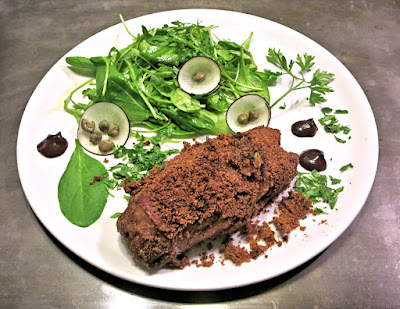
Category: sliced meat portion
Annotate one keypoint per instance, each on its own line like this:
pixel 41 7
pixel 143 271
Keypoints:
pixel 209 189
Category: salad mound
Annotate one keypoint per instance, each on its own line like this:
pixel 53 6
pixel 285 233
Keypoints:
pixel 142 79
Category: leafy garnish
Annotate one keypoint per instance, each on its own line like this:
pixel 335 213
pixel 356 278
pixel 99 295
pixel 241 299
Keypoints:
pixel 315 188
pixel 318 84
pixel 345 167
pixel 331 123
pixel 339 140
pixel 320 211
pixel 81 202
pixel 116 215
pixel 335 181
pixel 139 160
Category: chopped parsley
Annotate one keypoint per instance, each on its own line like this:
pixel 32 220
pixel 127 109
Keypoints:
pixel 341 111
pixel 335 181
pixel 320 211
pixel 116 215
pixel 345 167
pixel 339 140
pixel 331 123
pixel 315 188
pixel 138 161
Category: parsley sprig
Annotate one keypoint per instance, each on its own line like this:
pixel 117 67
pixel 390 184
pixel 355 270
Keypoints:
pixel 319 83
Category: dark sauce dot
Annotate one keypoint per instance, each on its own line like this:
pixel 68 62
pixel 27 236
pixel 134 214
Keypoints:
pixel 313 159
pixel 304 128
pixel 53 145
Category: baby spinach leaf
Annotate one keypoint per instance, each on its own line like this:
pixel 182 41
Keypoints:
pixel 80 201
pixel 218 101
pixel 184 101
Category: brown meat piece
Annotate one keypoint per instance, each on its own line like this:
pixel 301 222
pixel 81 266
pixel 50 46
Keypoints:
pixel 209 189
pixel 292 208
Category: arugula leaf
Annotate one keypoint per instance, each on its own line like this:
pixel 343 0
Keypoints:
pixel 80 202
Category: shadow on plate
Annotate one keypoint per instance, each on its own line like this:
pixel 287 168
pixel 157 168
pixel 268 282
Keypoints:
pixel 199 297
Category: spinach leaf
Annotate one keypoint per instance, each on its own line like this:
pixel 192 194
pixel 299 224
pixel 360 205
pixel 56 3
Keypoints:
pixel 121 92
pixel 184 101
pixel 81 202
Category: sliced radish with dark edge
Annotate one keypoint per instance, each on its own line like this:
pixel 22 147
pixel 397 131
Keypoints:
pixel 243 106
pixel 199 75
pixel 97 113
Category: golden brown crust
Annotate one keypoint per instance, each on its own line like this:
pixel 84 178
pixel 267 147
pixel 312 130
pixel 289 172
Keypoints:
pixel 209 189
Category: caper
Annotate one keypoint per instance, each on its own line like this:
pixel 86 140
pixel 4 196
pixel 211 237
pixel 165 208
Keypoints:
pixel 114 131
pixel 106 145
pixel 243 119
pixel 87 125
pixel 95 137
pixel 104 126
pixel 199 77
pixel 253 114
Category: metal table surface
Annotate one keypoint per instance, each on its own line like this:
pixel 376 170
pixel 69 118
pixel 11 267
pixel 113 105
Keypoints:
pixel 360 270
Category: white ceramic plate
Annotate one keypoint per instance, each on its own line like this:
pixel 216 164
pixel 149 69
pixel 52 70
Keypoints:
pixel 100 244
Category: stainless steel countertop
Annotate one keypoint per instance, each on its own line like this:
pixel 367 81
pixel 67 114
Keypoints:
pixel 360 270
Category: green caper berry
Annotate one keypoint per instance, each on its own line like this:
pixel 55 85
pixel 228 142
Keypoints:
pixel 104 126
pixel 87 125
pixel 95 137
pixel 253 114
pixel 243 119
pixel 199 77
pixel 114 131
pixel 106 145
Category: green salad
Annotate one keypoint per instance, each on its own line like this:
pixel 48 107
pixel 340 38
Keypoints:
pixel 142 79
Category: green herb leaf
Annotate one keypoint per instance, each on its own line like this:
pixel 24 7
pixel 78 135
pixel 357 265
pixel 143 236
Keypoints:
pixel 305 62
pixel 80 202
pixel 326 110
pixel 345 167
pixel 116 215
pixel 335 181
pixel 315 188
pixel 318 84
pixel 184 101
pixel 320 211
pixel 331 123
pixel 339 140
